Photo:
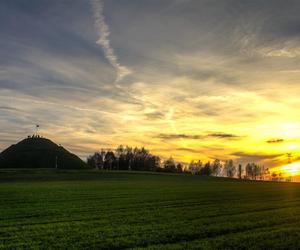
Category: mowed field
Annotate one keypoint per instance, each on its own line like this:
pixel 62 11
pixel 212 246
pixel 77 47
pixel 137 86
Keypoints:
pixel 114 210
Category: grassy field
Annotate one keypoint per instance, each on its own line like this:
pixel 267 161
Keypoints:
pixel 94 210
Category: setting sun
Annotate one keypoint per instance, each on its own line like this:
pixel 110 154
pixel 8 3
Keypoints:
pixel 292 169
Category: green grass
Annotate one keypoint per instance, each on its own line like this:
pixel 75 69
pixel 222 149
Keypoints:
pixel 114 210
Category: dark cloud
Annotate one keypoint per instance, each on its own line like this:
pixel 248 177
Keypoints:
pixel 248 157
pixel 271 141
pixel 154 115
pixel 224 136
pixel 197 137
pixel 179 136
pixel 261 156
pixel 6 108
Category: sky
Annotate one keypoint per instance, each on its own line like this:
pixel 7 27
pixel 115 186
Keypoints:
pixel 191 79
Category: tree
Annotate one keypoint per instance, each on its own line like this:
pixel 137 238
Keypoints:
pixel 229 168
pixel 195 167
pixel 169 165
pixel 249 171
pixel 216 167
pixel 240 171
pixel 179 168
pixel 141 159
pixel 128 158
pixel 274 176
pixel 267 174
pixel 96 160
pixel 254 171
pixel 257 171
pixel 206 170
pixel 91 161
pixel 110 160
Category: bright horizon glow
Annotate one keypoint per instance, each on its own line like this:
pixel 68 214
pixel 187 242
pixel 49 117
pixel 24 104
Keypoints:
pixel 292 169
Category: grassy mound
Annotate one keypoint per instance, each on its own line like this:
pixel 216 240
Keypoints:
pixel 39 153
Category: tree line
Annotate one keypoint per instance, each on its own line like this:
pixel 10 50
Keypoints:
pixel 228 168
pixel 128 158
pixel 140 159
pixel 124 158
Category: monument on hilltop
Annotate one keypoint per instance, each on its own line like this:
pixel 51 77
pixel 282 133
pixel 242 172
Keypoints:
pixel 38 152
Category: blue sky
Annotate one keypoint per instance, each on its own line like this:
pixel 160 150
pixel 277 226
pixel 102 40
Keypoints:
pixel 198 79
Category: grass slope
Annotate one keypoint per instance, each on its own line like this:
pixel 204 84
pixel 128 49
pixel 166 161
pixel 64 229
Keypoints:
pixel 94 210
pixel 39 153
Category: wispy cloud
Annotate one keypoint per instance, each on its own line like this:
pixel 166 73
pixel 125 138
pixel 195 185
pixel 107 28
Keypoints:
pixel 262 158
pixel 256 156
pixel 197 137
pixel 275 141
pixel 154 115
pixel 179 136
pixel 104 40
pixel 223 136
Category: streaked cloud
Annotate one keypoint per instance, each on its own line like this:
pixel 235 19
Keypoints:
pixel 260 158
pixel 154 115
pixel 179 136
pixel 275 141
pixel 224 136
pixel 197 137
pixel 103 40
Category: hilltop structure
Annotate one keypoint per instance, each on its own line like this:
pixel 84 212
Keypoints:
pixel 38 152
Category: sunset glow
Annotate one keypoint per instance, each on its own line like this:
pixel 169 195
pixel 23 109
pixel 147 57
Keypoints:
pixel 292 169
pixel 188 79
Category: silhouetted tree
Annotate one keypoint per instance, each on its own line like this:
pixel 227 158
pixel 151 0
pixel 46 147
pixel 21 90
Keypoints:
pixel 179 168
pixel 96 160
pixel 140 159
pixel 229 168
pixel 125 158
pixel 257 171
pixel 169 165
pixel 240 171
pixel 249 171
pixel 267 174
pixel 195 167
pixel 110 160
pixel 216 167
pixel 206 170
pixel 91 161
pixel 254 171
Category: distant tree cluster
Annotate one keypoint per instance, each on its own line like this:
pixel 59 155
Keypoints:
pixel 251 171
pixel 140 159
pixel 278 176
pixel 124 158
pixel 171 166
pixel 254 171
pixel 128 158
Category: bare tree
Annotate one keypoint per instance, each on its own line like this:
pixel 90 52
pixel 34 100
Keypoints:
pixel 195 167
pixel 240 171
pixel 169 165
pixel 216 167
pixel 229 168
